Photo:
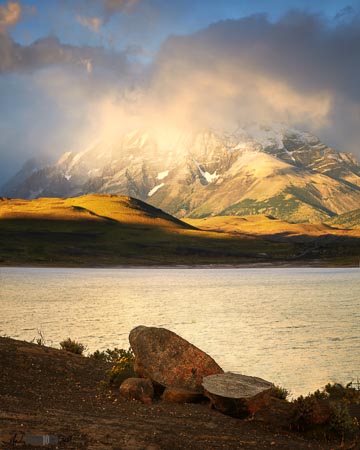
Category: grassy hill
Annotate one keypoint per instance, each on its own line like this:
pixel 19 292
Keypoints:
pixel 104 230
pixel 109 230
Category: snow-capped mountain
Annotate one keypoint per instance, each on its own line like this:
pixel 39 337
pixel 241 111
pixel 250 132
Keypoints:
pixel 258 170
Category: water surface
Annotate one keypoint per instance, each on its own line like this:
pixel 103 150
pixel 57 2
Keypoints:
pixel 299 328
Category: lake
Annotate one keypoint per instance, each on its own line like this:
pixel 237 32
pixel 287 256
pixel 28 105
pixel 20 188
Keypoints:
pixel 298 327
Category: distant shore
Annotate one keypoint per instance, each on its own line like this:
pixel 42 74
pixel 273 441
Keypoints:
pixel 258 265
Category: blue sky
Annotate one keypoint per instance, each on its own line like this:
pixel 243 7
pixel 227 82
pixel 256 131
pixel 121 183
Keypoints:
pixel 70 67
pixel 59 17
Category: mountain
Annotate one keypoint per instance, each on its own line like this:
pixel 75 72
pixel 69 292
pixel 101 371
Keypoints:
pixel 31 166
pixel 276 171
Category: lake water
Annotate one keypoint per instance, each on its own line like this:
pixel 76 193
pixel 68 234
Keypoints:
pixel 299 328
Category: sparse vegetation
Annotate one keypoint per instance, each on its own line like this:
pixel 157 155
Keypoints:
pixel 280 392
pixel 72 346
pixel 40 338
pixel 326 412
pixel 122 368
pixel 122 364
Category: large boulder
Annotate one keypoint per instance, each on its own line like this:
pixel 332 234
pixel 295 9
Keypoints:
pixel 137 389
pixel 170 360
pixel 237 395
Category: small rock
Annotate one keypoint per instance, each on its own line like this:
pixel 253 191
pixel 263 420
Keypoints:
pixel 237 395
pixel 137 389
pixel 170 360
pixel 178 395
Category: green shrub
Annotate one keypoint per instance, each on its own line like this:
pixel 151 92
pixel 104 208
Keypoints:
pixel 279 392
pixel 350 393
pixel 341 422
pixel 306 410
pixel 73 346
pixel 326 412
pixel 123 366
pixel 112 355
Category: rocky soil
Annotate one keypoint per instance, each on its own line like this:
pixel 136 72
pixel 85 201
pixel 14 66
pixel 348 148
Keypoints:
pixel 49 392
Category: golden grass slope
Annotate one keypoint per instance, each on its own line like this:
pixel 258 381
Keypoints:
pixel 94 207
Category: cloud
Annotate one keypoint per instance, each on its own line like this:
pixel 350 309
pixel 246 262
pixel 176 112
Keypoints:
pixel 9 15
pixel 49 51
pixel 114 6
pixel 301 70
pixel 92 23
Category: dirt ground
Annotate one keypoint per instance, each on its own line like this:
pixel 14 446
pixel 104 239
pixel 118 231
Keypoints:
pixel 48 395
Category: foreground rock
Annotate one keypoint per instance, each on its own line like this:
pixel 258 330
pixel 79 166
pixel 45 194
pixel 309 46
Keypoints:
pixel 170 360
pixel 237 395
pixel 137 389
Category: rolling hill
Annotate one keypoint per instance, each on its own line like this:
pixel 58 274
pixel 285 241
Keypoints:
pixel 109 230
pixel 101 230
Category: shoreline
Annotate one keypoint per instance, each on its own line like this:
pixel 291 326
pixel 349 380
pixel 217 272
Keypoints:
pixel 265 265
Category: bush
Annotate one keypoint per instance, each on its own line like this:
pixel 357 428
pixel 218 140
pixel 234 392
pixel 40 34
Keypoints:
pixel 72 346
pixel 308 411
pixel 123 366
pixel 280 392
pixel 341 422
pixel 112 355
pixel 325 411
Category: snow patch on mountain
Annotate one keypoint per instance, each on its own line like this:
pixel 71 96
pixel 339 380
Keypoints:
pixel 155 189
pixel 162 175
pixel 209 177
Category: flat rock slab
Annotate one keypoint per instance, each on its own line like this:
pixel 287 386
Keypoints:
pixel 235 394
pixel 170 360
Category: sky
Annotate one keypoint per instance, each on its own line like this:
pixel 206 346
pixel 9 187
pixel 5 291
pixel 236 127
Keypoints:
pixel 75 71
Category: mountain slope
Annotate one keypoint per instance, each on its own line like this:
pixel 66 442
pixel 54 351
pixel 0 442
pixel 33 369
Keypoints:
pixel 276 171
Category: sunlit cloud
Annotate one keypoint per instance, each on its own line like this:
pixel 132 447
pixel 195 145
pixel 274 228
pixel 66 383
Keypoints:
pixel 92 23
pixel 9 15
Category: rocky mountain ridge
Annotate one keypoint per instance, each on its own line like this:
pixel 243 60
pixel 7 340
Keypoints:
pixel 259 170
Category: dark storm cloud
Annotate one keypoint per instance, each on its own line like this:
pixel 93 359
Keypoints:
pixel 302 68
pixel 302 49
pixel 50 51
